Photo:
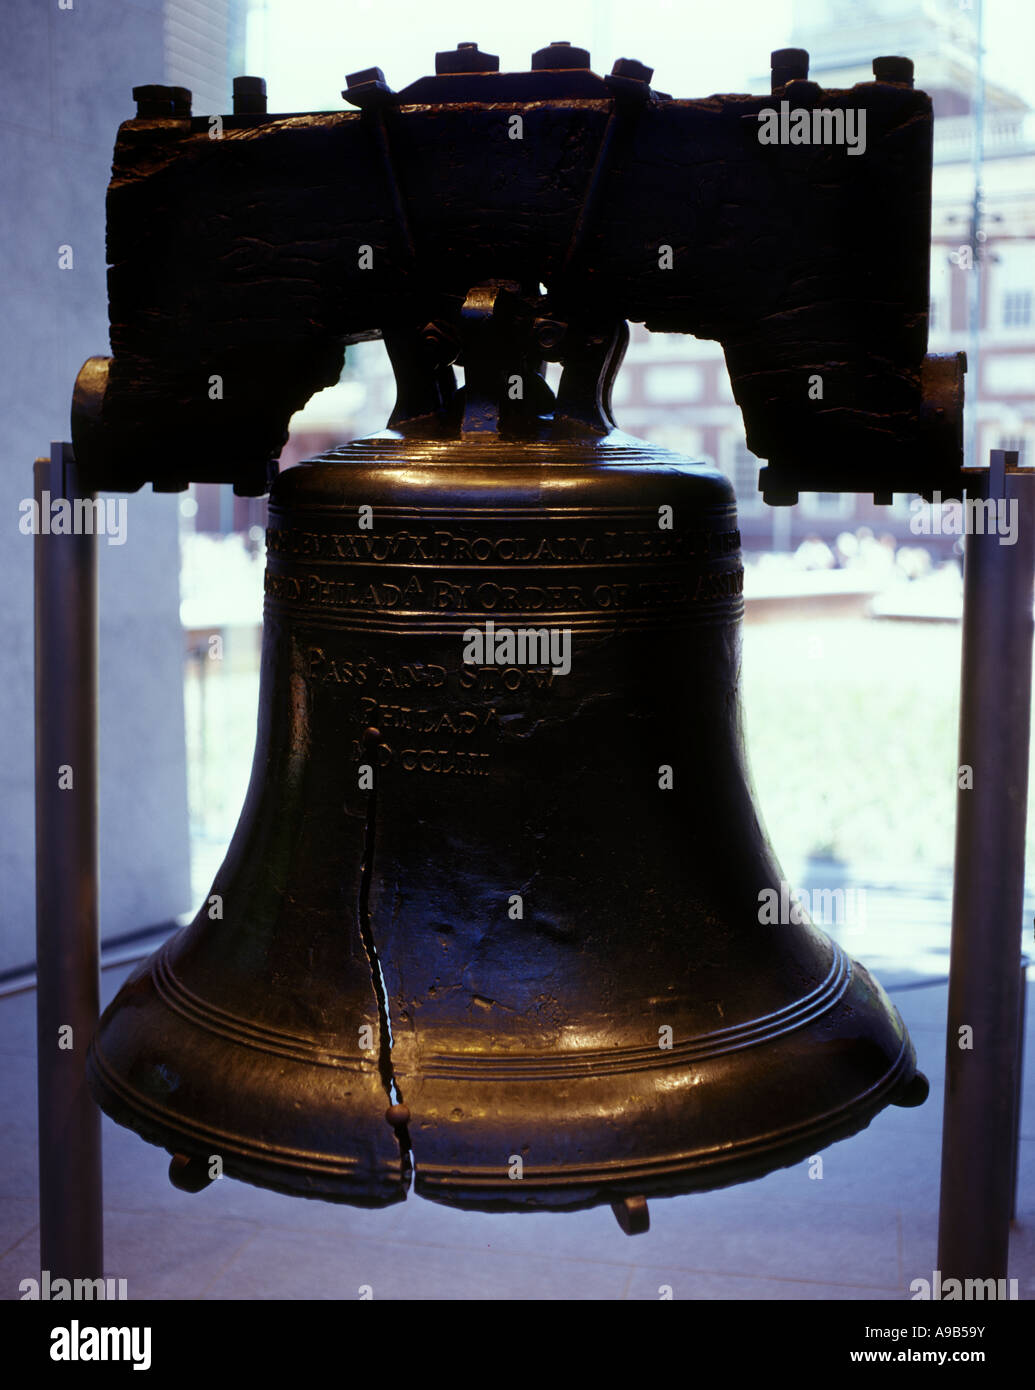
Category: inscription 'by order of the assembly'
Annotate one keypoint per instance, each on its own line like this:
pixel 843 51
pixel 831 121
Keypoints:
pixel 419 593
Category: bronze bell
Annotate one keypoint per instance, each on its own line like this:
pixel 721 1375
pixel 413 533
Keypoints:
pixel 488 924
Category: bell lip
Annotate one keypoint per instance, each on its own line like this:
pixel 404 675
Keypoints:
pixel 448 1185
pixel 553 1193
pixel 374 1173
pixel 323 1176
pixel 330 1175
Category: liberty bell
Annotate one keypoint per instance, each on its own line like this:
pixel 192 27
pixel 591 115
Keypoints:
pixel 490 928
pixel 490 919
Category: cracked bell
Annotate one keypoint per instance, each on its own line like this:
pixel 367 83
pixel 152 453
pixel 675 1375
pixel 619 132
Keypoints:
pixel 490 928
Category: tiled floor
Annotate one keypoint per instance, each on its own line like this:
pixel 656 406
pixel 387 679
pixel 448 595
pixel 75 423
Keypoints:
pixel 865 1230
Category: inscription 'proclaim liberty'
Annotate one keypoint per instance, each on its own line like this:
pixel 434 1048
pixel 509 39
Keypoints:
pixel 445 547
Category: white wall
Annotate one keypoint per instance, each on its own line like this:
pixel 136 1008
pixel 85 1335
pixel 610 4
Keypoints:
pixel 67 76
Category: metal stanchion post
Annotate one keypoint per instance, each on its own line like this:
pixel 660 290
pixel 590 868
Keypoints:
pixel 988 900
pixel 67 949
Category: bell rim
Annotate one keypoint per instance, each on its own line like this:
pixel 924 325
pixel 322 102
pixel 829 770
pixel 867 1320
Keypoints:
pixel 559 1189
